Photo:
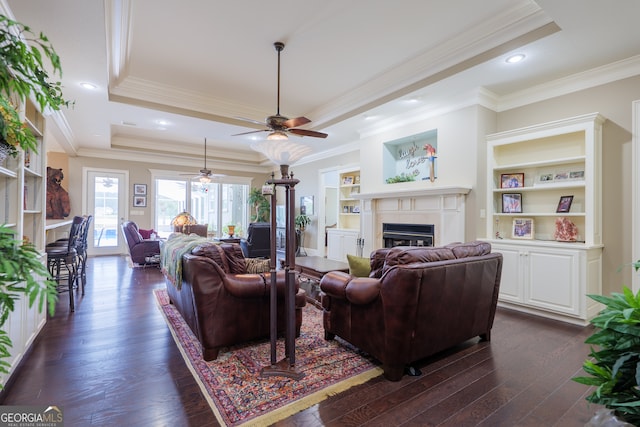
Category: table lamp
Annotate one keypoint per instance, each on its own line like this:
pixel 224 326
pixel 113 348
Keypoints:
pixel 182 220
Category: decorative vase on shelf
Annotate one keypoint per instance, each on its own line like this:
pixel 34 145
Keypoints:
pixel 232 230
pixel 566 231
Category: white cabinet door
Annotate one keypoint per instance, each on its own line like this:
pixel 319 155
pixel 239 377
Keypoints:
pixel 550 281
pixel 553 279
pixel 511 283
pixel 340 243
pixel 334 245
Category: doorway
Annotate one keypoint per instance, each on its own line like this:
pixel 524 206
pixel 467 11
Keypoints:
pixel 105 197
pixel 328 210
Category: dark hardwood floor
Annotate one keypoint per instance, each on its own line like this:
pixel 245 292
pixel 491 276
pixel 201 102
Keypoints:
pixel 114 363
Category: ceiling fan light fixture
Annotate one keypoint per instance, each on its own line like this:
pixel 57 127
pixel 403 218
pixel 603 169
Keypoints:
pixel 204 179
pixel 282 152
pixel 277 136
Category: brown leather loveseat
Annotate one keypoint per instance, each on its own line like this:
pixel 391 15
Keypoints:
pixel 415 303
pixel 221 302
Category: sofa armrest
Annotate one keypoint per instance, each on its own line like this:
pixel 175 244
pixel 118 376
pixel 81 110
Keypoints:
pixel 357 290
pixel 363 290
pixel 245 285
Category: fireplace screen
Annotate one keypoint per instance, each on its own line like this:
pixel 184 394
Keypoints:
pixel 407 234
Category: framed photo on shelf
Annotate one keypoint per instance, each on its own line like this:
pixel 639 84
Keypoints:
pixel 564 204
pixel 561 176
pixel 576 175
pixel 140 189
pixel 512 180
pixel 512 203
pixel 545 178
pixel 347 180
pixel 140 201
pixel 522 228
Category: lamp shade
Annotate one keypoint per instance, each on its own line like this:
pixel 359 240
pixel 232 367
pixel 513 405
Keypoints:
pixel 282 152
pixel 182 219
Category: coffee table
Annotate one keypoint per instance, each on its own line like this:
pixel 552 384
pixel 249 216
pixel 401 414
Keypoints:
pixel 311 270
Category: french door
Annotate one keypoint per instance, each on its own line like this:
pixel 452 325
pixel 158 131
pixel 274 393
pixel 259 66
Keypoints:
pixel 105 197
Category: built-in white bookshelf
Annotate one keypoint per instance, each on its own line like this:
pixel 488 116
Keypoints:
pixel 543 179
pixel 23 187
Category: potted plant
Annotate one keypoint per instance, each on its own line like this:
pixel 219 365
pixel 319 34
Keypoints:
pixel 21 272
pixel 302 221
pixel 260 204
pixel 614 364
pixel 403 177
pixel 23 75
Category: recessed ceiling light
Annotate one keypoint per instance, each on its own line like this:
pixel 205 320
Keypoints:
pixel 87 85
pixel 162 122
pixel 515 58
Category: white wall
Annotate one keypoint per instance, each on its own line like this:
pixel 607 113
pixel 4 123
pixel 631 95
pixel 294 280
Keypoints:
pixel 461 151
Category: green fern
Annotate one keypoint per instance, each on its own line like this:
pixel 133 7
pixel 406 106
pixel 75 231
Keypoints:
pixel 614 363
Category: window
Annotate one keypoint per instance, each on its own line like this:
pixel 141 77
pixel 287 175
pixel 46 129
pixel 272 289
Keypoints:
pixel 217 204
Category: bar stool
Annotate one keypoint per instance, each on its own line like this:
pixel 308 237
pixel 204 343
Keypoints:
pixel 66 256
pixel 81 248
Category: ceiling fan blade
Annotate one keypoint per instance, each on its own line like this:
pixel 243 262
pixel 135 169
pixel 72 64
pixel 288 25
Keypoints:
pixel 244 119
pixel 297 121
pixel 251 131
pixel 305 132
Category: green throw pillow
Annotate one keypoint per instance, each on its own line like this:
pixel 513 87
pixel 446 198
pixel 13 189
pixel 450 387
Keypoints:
pixel 359 266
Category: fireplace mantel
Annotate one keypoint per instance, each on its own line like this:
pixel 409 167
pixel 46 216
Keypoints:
pixel 444 207
pixel 421 192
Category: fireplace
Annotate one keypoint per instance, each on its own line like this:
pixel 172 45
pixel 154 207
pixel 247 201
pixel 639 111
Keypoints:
pixel 443 208
pixel 407 234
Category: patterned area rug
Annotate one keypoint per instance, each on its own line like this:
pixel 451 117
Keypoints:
pixel 232 383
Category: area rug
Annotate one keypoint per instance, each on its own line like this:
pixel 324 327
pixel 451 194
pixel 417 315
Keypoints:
pixel 239 396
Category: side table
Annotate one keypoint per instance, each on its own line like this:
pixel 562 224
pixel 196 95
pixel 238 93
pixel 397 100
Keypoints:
pixel 311 270
pixel 228 239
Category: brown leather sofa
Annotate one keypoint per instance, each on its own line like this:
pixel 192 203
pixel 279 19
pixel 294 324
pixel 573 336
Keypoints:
pixel 222 303
pixel 415 303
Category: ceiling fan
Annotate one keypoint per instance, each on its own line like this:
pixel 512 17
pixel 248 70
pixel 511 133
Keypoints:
pixel 205 174
pixel 279 126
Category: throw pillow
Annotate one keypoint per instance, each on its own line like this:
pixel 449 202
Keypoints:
pixel 146 234
pixel 359 266
pixel 257 265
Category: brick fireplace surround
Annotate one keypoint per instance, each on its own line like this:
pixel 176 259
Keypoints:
pixel 444 207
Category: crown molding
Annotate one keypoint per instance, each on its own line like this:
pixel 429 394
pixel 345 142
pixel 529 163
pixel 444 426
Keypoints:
pixel 173 159
pixel 609 73
pixel 338 151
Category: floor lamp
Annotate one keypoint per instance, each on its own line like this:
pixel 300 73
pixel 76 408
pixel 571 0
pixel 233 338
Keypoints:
pixel 283 153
